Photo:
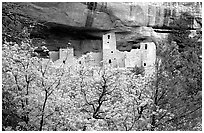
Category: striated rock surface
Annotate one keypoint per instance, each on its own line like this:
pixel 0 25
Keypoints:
pixel 108 15
pixel 132 22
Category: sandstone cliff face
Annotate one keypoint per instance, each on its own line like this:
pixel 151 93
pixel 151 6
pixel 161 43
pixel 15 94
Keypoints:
pixel 108 15
pixel 132 22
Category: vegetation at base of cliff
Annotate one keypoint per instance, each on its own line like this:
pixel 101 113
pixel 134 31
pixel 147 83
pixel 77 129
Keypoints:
pixel 37 96
pixel 178 84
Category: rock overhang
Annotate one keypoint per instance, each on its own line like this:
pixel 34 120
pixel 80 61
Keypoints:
pixel 69 19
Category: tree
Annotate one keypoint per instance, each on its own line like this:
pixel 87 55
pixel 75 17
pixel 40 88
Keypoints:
pixel 39 96
pixel 27 83
pixel 113 99
pixel 25 78
pixel 15 25
pixel 177 85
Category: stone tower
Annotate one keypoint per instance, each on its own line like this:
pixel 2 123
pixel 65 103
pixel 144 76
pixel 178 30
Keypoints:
pixel 141 55
pixel 112 56
pixel 148 57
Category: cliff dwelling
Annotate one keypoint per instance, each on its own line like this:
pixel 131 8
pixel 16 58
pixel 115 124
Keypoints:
pixel 94 53
pixel 98 34
pixel 101 66
pixel 77 47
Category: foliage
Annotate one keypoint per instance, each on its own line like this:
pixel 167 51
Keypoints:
pixel 24 77
pixel 178 83
pixel 138 70
pixel 14 23
pixel 47 98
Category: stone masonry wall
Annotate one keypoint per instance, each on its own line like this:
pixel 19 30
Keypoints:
pixel 143 55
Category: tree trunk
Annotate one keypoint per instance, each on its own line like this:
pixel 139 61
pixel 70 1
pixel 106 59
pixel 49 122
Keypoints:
pixel 42 117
